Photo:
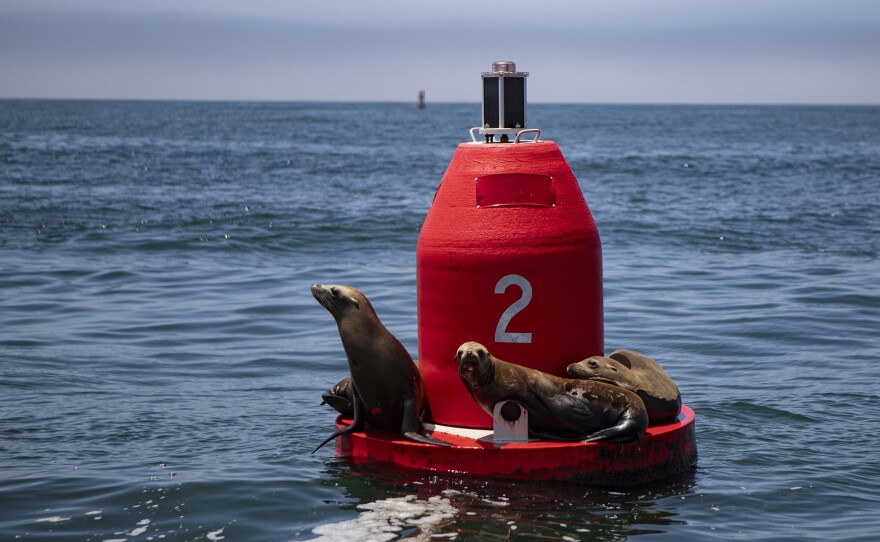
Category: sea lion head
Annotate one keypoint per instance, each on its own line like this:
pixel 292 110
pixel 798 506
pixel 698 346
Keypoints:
pixel 341 301
pixel 599 368
pixel 475 364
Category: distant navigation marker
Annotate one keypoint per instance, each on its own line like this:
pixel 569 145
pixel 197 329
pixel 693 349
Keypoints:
pixel 421 104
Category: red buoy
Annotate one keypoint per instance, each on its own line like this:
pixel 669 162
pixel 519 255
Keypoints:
pixel 666 450
pixel 509 256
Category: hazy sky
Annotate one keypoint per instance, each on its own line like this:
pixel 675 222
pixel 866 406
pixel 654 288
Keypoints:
pixel 621 51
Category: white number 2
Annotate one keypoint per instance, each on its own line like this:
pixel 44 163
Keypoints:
pixel 501 333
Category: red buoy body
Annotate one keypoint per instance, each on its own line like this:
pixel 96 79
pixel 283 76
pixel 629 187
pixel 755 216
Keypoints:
pixel 508 256
pixel 665 450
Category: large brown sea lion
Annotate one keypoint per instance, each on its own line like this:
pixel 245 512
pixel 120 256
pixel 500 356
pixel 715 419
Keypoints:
pixel 559 408
pixel 637 373
pixel 389 393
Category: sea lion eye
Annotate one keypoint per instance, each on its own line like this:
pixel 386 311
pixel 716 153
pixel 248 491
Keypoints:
pixel 593 363
pixel 334 291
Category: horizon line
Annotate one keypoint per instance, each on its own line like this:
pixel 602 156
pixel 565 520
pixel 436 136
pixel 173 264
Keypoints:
pixel 438 102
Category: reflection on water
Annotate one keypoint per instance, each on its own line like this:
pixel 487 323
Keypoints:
pixel 386 519
pixel 395 503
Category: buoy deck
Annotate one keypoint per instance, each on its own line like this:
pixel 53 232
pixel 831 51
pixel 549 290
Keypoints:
pixel 665 450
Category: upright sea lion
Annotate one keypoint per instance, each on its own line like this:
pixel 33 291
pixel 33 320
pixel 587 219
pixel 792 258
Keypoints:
pixel 559 408
pixel 388 390
pixel 637 373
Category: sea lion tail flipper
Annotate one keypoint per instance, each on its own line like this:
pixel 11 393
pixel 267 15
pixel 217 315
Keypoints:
pixel 611 434
pixel 337 433
pixel 628 428
pixel 425 439
pixel 356 425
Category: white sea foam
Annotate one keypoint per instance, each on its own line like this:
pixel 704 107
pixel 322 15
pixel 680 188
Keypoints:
pixel 386 518
pixel 53 519
pixel 141 529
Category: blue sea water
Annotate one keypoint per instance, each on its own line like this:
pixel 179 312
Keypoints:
pixel 162 359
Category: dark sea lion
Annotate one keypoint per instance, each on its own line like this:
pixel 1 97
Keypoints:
pixel 559 408
pixel 388 390
pixel 637 373
pixel 340 397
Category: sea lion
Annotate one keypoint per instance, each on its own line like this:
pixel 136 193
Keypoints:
pixel 388 390
pixel 340 397
pixel 559 408
pixel 637 373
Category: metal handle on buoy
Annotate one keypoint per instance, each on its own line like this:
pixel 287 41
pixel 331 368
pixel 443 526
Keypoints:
pixel 529 131
pixel 473 131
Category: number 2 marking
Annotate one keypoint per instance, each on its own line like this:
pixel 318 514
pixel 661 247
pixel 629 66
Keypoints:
pixel 501 333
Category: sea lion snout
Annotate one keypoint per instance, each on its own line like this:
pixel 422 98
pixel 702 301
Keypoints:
pixel 471 352
pixel 470 356
pixel 591 369
pixel 322 296
pixel 325 291
pixel 338 299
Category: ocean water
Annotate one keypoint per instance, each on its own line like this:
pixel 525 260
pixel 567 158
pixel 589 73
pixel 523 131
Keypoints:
pixel 162 359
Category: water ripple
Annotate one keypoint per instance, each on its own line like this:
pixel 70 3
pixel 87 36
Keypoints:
pixel 162 359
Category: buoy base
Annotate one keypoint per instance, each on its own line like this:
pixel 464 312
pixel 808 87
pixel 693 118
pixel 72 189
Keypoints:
pixel 665 450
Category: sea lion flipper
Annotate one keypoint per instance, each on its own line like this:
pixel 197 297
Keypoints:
pixel 337 433
pixel 356 425
pixel 425 439
pixel 340 396
pixel 411 422
pixel 628 428
pixel 340 404
pixel 412 427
